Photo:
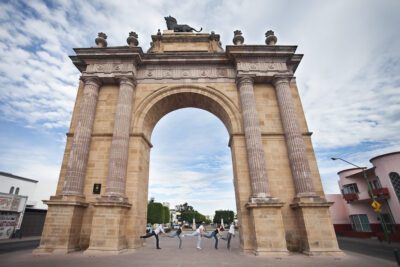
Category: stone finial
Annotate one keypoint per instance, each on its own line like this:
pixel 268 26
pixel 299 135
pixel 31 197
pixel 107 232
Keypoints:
pixel 213 36
pixel 270 38
pixel 238 38
pixel 101 40
pixel 132 39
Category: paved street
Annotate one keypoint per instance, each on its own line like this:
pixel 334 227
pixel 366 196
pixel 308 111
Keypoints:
pixel 170 255
pixel 20 245
pixel 370 247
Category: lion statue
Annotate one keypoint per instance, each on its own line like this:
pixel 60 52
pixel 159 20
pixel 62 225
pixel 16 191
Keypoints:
pixel 172 24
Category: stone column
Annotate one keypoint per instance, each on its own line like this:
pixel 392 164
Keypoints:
pixel 262 208
pixel 295 144
pixel 62 228
pixel 113 205
pixel 254 147
pixel 120 141
pixel 76 168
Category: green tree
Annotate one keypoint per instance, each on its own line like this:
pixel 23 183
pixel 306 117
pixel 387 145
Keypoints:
pixel 227 215
pixel 188 213
pixel 166 214
pixel 155 212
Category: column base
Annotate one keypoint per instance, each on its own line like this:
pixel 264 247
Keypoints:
pixel 61 232
pixel 269 232
pixel 108 227
pixel 317 233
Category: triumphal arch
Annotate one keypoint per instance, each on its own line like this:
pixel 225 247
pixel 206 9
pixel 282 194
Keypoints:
pixel 100 204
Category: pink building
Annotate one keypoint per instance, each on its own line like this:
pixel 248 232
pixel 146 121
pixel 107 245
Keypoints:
pixel 352 213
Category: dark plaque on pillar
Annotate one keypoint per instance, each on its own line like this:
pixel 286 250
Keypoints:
pixel 96 188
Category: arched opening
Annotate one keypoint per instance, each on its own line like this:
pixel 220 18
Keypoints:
pixel 190 162
pixel 168 100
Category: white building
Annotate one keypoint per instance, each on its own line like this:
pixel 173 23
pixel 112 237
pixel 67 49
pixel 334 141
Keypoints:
pixel 16 193
pixel 17 185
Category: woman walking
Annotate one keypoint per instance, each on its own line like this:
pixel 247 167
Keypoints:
pixel 215 234
pixel 177 233
pixel 199 233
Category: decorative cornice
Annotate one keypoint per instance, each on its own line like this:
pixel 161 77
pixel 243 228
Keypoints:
pixel 111 135
pixel 270 134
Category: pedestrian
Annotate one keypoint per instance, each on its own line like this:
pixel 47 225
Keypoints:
pixel 199 233
pixel 159 229
pixel 216 234
pixel 177 233
pixel 231 233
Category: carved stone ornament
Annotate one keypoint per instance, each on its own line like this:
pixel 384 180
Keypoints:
pixel 270 39
pixel 101 40
pixel 186 72
pixel 132 39
pixel 238 38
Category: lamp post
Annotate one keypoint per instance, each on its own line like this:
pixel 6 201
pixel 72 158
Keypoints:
pixel 383 224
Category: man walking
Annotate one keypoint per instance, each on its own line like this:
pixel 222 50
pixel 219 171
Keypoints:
pixel 156 232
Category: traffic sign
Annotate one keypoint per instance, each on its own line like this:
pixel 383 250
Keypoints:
pixel 376 205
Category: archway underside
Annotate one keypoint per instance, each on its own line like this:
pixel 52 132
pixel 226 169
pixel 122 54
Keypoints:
pixel 169 99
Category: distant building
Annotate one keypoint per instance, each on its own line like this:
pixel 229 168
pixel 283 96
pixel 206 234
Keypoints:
pixel 17 185
pixel 352 213
pixel 17 206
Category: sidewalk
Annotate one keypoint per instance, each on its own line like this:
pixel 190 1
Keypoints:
pixel 14 240
pixel 371 241
pixel 170 255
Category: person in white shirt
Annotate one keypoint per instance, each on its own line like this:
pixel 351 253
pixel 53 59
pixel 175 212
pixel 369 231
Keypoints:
pixel 199 233
pixel 231 233
pixel 159 229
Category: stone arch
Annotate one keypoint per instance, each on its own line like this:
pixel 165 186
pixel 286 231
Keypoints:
pixel 170 98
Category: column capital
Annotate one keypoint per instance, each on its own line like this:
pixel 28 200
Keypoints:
pixel 279 78
pixel 129 80
pixel 244 79
pixel 91 80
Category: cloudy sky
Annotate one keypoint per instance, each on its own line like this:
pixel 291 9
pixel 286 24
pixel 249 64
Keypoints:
pixel 348 80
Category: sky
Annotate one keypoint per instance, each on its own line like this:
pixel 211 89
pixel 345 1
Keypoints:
pixel 348 80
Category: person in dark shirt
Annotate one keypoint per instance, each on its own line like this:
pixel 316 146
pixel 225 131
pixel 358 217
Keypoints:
pixel 177 233
pixel 215 234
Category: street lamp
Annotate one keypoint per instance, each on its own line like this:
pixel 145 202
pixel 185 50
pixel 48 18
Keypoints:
pixel 370 193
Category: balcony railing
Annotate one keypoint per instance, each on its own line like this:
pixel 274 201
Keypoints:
pixel 349 197
pixel 381 192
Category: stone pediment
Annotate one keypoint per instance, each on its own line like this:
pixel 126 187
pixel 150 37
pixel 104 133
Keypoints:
pixel 170 41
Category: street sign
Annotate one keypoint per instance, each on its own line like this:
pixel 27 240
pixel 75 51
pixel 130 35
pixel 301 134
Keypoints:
pixel 376 205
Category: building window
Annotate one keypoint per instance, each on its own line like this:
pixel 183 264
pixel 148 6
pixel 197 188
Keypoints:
pixel 389 222
pixel 375 184
pixel 360 223
pixel 12 190
pixel 395 179
pixel 350 188
pixel 17 191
